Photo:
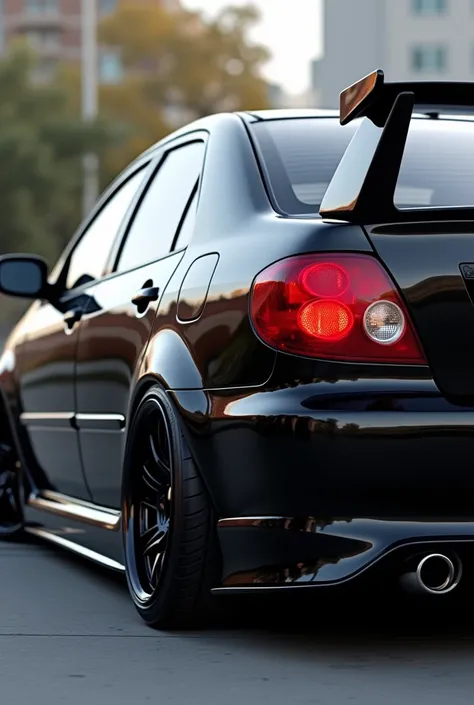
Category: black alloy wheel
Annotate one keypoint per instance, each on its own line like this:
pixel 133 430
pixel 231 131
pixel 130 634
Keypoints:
pixel 152 501
pixel 169 526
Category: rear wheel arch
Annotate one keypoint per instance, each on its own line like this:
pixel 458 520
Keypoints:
pixel 186 580
pixel 140 391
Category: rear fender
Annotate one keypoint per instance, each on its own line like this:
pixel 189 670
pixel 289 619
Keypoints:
pixel 168 363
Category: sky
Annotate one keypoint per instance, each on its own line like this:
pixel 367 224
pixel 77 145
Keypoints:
pixel 291 29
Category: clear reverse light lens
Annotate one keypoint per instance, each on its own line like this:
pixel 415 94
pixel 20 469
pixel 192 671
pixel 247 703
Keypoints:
pixel 384 322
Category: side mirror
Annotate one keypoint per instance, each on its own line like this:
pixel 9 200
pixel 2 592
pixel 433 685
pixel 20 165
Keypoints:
pixel 24 276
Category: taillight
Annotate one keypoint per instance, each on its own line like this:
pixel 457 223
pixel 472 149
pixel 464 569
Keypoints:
pixel 334 306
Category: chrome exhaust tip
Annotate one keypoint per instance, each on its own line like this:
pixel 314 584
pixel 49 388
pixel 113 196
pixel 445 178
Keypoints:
pixel 435 573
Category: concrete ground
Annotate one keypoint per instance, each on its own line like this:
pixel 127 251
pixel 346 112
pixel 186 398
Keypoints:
pixel 69 634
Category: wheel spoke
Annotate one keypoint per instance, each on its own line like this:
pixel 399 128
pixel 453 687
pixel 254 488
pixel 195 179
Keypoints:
pixel 153 538
pixel 152 500
pixel 152 483
pixel 155 569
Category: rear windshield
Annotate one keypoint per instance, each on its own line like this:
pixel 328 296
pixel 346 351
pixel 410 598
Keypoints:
pixel 301 155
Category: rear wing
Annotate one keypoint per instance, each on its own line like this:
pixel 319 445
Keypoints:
pixel 363 187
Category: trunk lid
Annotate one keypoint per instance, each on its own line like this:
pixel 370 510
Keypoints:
pixel 426 262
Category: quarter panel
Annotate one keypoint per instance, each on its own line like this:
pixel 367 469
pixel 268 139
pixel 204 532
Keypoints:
pixel 332 449
pixel 219 349
pixel 424 260
pixel 235 221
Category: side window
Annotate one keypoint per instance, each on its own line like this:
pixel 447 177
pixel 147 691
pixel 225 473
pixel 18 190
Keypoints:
pixel 90 255
pixel 154 227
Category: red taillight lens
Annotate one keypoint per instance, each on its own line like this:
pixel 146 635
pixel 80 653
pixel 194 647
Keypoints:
pixel 338 307
pixel 325 280
pixel 326 320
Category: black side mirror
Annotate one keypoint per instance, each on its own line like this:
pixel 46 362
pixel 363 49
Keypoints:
pixel 24 276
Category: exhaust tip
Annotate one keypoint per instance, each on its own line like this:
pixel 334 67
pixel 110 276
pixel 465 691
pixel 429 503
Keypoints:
pixel 435 573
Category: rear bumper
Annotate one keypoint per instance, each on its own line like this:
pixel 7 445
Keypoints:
pixel 274 553
pixel 368 452
pixel 315 483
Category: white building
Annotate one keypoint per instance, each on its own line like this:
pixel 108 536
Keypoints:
pixel 409 39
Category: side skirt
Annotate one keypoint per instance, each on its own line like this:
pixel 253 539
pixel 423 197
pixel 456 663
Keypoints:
pixel 70 507
pixel 86 529
pixel 75 548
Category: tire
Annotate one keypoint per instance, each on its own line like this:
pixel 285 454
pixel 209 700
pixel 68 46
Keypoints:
pixel 11 504
pixel 168 522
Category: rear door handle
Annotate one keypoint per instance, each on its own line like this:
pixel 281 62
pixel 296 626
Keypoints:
pixel 72 317
pixel 145 296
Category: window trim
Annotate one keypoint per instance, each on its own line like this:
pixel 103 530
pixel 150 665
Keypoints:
pixel 194 195
pixel 179 143
pixel 64 261
pixel 149 161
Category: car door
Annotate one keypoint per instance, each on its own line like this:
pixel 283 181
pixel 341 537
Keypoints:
pixel 115 329
pixel 48 353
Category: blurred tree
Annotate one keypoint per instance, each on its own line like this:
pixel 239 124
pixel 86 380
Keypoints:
pixel 137 124
pixel 177 67
pixel 41 143
pixel 198 66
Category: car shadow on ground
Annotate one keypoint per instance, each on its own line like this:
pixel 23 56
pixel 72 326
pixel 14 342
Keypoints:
pixel 361 619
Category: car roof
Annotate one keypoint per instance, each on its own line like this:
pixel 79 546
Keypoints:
pixel 288 114
pixel 295 113
pixel 259 116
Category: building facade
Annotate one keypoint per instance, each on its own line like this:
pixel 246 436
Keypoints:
pixel 409 39
pixel 53 28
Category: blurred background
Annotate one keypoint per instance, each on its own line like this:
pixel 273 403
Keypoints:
pixel 86 85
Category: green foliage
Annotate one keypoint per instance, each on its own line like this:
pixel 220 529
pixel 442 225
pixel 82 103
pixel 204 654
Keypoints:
pixel 173 60
pixel 41 145
pixel 201 66
pixel 178 60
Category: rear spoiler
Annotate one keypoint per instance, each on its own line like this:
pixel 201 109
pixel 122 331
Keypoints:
pixel 362 189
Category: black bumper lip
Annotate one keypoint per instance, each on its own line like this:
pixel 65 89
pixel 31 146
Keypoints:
pixel 275 553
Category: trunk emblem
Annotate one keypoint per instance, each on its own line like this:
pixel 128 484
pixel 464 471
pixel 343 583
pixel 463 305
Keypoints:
pixel 467 271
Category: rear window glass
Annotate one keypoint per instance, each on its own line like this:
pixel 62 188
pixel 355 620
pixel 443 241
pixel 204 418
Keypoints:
pixel 301 155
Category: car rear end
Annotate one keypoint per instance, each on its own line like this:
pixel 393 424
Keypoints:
pixel 366 429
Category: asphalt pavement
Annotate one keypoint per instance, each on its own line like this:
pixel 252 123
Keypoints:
pixel 69 634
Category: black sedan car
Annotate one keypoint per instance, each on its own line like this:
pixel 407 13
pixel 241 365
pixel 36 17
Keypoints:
pixel 252 368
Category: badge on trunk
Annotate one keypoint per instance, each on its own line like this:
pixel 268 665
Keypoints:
pixel 467 270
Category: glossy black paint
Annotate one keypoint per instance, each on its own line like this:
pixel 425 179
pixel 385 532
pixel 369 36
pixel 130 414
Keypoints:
pixel 300 552
pixel 86 535
pixel 112 339
pixel 363 187
pixel 356 446
pixel 367 450
pixel 424 261
pixel 194 289
pixel 44 370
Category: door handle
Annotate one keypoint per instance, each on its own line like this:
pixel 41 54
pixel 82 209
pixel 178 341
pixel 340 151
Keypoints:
pixel 144 297
pixel 72 317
